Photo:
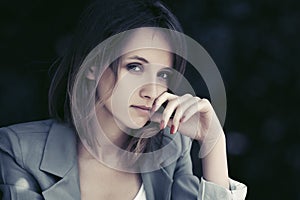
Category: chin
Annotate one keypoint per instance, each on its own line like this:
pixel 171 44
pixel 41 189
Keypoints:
pixel 137 124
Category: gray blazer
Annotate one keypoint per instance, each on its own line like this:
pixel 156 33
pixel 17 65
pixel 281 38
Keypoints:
pixel 38 160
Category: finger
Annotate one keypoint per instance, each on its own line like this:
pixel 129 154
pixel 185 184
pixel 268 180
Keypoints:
pixel 201 105
pixel 172 107
pixel 161 99
pixel 184 105
pixel 166 115
pixel 157 118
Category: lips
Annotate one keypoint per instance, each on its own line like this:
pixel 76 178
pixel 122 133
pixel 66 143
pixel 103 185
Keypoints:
pixel 142 110
pixel 142 107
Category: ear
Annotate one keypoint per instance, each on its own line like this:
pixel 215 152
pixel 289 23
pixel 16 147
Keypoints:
pixel 90 74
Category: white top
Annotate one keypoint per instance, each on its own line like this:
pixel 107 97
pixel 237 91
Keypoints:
pixel 141 195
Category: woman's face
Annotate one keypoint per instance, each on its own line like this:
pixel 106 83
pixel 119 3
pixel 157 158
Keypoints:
pixel 143 75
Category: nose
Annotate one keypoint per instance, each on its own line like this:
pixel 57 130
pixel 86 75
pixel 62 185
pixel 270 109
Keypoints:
pixel 149 91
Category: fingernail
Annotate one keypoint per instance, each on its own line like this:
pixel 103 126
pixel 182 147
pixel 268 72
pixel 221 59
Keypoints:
pixel 162 124
pixel 172 129
pixel 182 118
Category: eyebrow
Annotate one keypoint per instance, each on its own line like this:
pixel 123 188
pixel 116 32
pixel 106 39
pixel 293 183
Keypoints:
pixel 169 70
pixel 139 58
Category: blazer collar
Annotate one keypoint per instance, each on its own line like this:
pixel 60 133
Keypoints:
pixel 60 148
pixel 60 159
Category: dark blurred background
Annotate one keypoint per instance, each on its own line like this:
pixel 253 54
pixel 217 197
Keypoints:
pixel 255 44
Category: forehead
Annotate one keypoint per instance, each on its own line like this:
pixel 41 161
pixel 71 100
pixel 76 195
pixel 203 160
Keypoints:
pixel 146 38
pixel 149 44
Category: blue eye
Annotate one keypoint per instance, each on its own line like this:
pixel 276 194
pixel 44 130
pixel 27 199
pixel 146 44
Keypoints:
pixel 165 75
pixel 134 67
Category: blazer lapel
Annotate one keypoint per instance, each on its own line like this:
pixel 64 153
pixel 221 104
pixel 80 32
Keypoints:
pixel 67 188
pixel 157 184
pixel 60 159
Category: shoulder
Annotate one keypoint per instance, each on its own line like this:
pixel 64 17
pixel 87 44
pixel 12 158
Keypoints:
pixel 28 127
pixel 25 139
pixel 24 132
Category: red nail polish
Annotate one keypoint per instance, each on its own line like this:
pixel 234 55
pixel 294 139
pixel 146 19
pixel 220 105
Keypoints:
pixel 162 124
pixel 172 129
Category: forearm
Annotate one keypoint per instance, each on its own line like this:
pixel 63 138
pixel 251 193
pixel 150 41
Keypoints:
pixel 214 165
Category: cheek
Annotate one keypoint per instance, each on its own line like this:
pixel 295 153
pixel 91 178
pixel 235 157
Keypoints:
pixel 125 88
pixel 161 88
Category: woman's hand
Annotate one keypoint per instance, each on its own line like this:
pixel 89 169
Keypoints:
pixel 193 116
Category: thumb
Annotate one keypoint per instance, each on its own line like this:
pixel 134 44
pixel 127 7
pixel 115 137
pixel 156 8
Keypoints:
pixel 157 117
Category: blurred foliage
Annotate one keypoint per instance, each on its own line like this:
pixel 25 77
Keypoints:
pixel 254 43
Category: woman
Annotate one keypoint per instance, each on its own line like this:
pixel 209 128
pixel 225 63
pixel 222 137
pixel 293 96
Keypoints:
pixel 111 138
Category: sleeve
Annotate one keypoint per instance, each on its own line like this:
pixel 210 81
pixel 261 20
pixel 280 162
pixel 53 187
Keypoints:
pixel 211 191
pixel 188 186
pixel 15 182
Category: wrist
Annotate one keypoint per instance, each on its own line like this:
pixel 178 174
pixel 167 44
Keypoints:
pixel 214 164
